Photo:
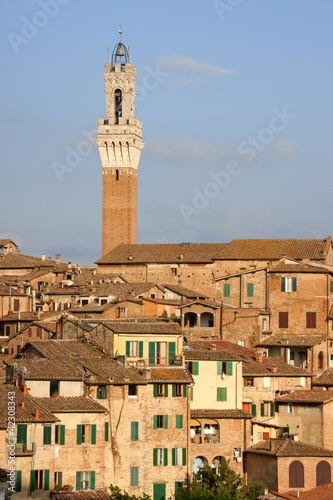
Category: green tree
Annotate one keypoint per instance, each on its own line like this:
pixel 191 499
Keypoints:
pixel 116 494
pixel 225 484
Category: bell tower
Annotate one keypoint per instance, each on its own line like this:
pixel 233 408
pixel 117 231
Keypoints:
pixel 119 142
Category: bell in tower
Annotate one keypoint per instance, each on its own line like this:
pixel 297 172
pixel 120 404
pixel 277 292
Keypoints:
pixel 120 143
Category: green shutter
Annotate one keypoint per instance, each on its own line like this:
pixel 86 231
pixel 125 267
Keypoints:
pixel 135 431
pixel 155 421
pixel 46 479
pixel 226 289
pixel 47 435
pixel 179 421
pixel 166 390
pixel 106 431
pixel 165 456
pixel 173 456
pixel 184 456
pixel 32 480
pixel 272 409
pixel 128 347
pixel 294 284
pixel 140 348
pixel 229 368
pixel 18 481
pixel 277 407
pixel 93 434
pixel 78 480
pixel 155 390
pixel 283 284
pixel 79 434
pixel 178 485
pixel 249 289
pixel 192 394
pixel 166 421
pixel 172 352
pixel 253 410
pixel 262 407
pixel 184 390
pixel 155 456
pixel 221 394
pixel 219 367
pixel 151 353
pixel 62 435
pixel 92 479
pixel 134 476
pixel 22 434
pixel 174 390
pixel 195 367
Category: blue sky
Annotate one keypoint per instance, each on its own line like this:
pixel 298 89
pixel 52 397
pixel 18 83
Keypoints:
pixel 237 119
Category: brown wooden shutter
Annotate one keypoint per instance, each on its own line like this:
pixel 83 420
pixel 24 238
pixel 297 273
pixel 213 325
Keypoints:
pixel 283 320
pixel 311 320
pixel 323 473
pixel 296 474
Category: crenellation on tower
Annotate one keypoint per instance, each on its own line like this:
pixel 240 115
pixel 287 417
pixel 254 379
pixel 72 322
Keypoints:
pixel 120 144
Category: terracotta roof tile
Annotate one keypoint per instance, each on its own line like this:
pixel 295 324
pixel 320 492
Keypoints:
pixel 75 404
pixel 73 349
pixel 288 448
pixel 186 292
pixel 323 492
pixel 297 268
pixel 16 260
pixel 326 378
pixel 218 355
pixel 233 413
pixel 48 369
pixel 306 397
pixel 26 414
pixel 80 495
pixel 292 340
pixel 139 326
pixel 170 375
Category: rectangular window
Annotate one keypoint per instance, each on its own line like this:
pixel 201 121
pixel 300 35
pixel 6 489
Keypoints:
pixel 106 431
pixel 248 382
pixel 85 480
pixel 302 381
pixel 193 367
pixel 224 368
pixel 134 431
pixel 288 285
pixel 54 388
pixel 16 305
pixel 38 332
pixel 157 353
pixel 283 319
pixel 226 290
pixel 86 434
pixel 221 394
pixel 160 456
pixel 178 456
pixel 264 324
pixel 47 434
pixel 311 320
pixel 177 390
pixel 289 408
pixel 241 343
pixel 173 271
pixel 267 409
pixel 179 421
pixel 249 289
pixel 30 332
pixel 101 392
pixel 267 382
pixel 134 476
pixel 21 436
pixel 160 421
pixel 161 390
pixel 58 479
pixel 40 480
pixel 133 390
pixel 133 348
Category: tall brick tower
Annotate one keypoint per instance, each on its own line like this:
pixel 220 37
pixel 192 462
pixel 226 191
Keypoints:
pixel 119 141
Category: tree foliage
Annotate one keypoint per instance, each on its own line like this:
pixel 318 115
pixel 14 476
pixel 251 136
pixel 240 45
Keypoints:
pixel 225 484
pixel 116 494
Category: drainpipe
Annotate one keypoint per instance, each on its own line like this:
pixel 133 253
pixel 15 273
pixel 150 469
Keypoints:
pixel 221 321
pixel 10 298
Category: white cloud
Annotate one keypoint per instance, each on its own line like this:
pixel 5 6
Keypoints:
pixel 188 70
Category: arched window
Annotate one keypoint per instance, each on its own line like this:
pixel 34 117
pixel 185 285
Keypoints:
pixel 118 105
pixel 211 432
pixel 323 473
pixel 296 474
pixel 101 392
pixel 190 320
pixel 320 360
pixel 207 320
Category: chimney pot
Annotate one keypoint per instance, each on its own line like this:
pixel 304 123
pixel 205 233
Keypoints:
pixel 22 405
pixel 274 368
pixel 37 414
pixel 259 357
pixel 213 346
pixel 43 256
pixel 25 390
pixel 57 255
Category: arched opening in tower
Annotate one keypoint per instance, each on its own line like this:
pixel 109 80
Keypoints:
pixel 118 105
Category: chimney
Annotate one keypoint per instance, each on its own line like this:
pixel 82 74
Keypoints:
pixel 57 258
pixel 274 369
pixel 25 390
pixel 37 414
pixel 147 373
pixel 213 347
pixel 69 265
pixel 259 357
pixel 43 256
pixel 59 330
pixel 22 405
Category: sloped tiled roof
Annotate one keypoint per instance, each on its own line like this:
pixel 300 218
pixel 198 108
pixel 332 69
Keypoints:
pixel 186 292
pixel 5 242
pixel 288 448
pixel 292 340
pixel 81 495
pixel 275 249
pixel 306 397
pixel 218 355
pixel 77 404
pixel 163 253
pixel 103 369
pixel 233 413
pixel 88 276
pixel 17 260
pixel 138 326
pixel 175 374
pixel 63 349
pixel 26 414
pixel 323 492
pixel 297 268
pixel 48 369
pixel 326 378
